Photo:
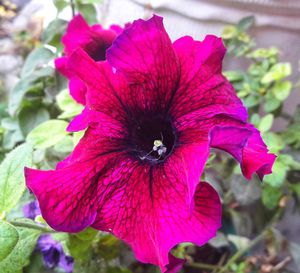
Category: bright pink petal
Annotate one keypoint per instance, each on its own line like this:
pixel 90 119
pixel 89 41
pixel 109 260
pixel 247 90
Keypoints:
pixel 69 197
pixel 76 86
pixel 246 145
pixel 206 105
pixel 203 92
pixel 77 90
pixel 150 208
pixel 256 157
pixel 61 66
pixel 94 40
pixel 175 264
pixel 103 137
pixel 144 54
pixel 106 90
pixel 117 29
pixel 77 33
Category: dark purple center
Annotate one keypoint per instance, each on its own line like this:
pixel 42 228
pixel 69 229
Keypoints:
pixel 153 138
pixel 97 50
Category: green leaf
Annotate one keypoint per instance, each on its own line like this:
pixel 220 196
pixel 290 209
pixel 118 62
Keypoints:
pixel 229 32
pixel 277 72
pixel 68 105
pixel 290 161
pixel 9 237
pixel 9 123
pixel 81 250
pixel 36 59
pixel 12 184
pixel 88 11
pixel 30 117
pixel 87 235
pixel 274 142
pixel 255 119
pixel 11 138
pixel 251 101
pixel 279 172
pixel 60 4
pixel 266 123
pixel 281 90
pixel 77 136
pixel 246 23
pixel 65 145
pixel 264 53
pixel 240 242
pixel 48 133
pixel 52 34
pixel 24 86
pixel 19 256
pixel 292 135
pixel 271 104
pixel 234 76
pixel 271 196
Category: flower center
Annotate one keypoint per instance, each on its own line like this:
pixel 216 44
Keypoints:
pixel 153 138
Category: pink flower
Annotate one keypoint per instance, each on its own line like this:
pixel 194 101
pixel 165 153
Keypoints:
pixel 153 110
pixel 94 40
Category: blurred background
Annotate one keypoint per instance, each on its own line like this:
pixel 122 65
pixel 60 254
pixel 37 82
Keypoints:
pixel 261 224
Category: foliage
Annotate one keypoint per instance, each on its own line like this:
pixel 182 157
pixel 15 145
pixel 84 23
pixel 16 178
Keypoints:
pixel 38 111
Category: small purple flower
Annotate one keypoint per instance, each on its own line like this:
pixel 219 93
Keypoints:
pixel 53 254
pixel 52 251
pixel 31 210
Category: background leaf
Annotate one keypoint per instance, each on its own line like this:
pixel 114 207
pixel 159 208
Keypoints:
pixel 12 184
pixel 9 237
pixel 36 59
pixel 68 105
pixel 48 133
pixel 18 257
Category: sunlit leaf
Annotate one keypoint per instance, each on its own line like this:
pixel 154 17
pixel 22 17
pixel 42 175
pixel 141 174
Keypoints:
pixel 48 133
pixel 12 184
pixel 9 237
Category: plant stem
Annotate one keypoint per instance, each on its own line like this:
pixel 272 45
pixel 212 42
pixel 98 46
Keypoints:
pixel 32 226
pixel 72 7
pixel 241 252
pixel 253 243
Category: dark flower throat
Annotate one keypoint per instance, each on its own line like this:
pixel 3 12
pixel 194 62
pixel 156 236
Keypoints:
pixel 153 138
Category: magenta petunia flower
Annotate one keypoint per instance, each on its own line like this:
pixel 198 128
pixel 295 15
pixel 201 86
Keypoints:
pixel 153 110
pixel 94 40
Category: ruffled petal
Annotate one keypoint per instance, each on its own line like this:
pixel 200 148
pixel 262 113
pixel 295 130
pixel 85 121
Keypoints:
pixel 77 34
pixel 206 106
pixel 94 40
pixel 203 91
pixel 245 144
pixel 76 86
pixel 144 54
pixel 105 88
pixel 151 208
pixel 69 197
pixel 256 157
